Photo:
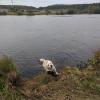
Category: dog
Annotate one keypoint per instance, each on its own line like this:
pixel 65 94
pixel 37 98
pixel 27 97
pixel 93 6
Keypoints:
pixel 49 67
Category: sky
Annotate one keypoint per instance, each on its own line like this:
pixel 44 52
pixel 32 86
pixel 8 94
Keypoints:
pixel 40 3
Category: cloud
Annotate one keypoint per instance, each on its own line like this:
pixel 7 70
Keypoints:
pixel 38 3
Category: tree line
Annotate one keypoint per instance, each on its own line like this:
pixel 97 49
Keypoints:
pixel 74 9
pixel 53 9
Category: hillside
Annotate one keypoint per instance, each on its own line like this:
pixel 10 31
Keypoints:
pixel 60 9
pixel 74 9
pixel 72 84
pixel 16 6
pixel 16 10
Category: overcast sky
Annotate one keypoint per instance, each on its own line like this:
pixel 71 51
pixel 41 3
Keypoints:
pixel 38 3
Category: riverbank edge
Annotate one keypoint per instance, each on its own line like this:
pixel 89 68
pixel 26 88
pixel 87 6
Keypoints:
pixel 72 84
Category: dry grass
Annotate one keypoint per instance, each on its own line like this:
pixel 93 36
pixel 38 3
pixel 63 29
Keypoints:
pixel 72 84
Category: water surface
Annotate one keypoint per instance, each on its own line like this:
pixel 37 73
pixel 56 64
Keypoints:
pixel 66 40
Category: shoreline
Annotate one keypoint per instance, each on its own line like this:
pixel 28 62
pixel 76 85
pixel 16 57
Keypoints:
pixel 71 83
pixel 48 14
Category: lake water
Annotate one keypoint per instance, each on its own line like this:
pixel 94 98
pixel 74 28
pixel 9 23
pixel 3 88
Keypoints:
pixel 67 40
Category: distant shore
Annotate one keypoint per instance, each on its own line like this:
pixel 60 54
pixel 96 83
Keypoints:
pixel 60 9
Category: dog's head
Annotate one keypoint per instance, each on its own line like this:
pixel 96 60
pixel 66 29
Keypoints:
pixel 48 62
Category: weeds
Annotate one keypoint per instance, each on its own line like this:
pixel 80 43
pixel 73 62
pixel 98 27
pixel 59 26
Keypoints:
pixel 6 65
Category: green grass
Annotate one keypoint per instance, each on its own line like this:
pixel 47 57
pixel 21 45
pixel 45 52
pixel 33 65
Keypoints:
pixel 96 59
pixel 7 64
pixel 6 91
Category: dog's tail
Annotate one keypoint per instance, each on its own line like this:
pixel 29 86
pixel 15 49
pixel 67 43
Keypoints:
pixel 42 60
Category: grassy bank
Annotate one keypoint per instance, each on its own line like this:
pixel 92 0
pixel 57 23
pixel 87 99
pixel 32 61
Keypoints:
pixel 8 75
pixel 72 84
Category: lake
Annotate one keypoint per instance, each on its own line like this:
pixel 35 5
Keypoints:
pixel 67 40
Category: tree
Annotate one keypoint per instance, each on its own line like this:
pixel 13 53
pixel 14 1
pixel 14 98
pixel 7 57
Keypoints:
pixel 47 12
pixel 3 13
pixel 30 12
pixel 61 12
pixel 70 11
pixel 96 10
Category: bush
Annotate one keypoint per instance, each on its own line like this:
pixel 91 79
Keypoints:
pixel 2 85
pixel 7 93
pixel 95 60
pixel 6 65
pixel 70 11
pixel 19 13
pixel 30 13
pixel 3 13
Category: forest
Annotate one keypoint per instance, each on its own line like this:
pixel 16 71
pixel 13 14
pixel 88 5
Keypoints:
pixel 60 9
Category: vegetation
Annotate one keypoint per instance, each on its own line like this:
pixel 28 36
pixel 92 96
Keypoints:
pixel 8 69
pixel 51 10
pixel 72 84
pixel 7 93
pixel 30 12
pixel 7 65
pixel 3 13
pixel 7 78
pixel 73 9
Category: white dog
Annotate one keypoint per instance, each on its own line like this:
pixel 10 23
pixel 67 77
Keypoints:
pixel 49 67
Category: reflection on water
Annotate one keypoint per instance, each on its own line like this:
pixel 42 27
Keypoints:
pixel 66 40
